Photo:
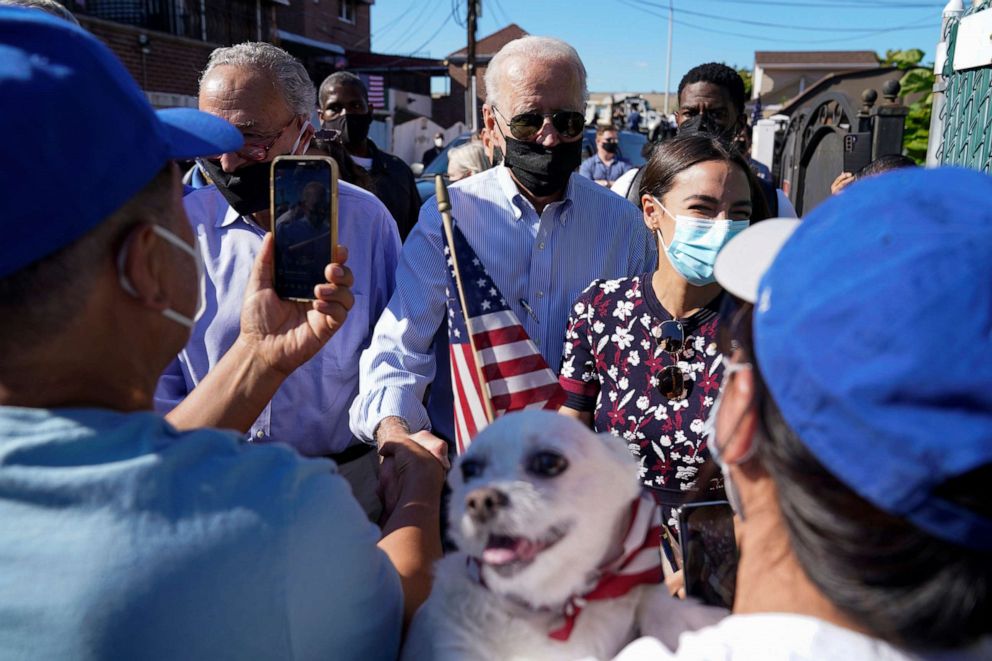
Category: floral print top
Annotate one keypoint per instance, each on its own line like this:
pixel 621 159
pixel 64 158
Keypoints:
pixel 610 367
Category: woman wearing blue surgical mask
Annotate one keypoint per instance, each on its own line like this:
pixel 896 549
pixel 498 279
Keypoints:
pixel 640 357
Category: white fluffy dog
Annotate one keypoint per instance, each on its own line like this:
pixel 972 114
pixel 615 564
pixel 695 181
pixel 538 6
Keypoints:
pixel 543 512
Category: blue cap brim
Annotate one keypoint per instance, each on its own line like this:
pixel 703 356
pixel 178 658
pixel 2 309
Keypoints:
pixel 192 133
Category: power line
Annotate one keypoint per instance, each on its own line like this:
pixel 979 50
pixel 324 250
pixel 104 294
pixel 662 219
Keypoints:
pixel 844 4
pixel 416 24
pixel 925 22
pixel 506 17
pixel 431 38
pixel 765 24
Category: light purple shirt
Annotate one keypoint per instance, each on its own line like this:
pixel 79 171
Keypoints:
pixel 310 409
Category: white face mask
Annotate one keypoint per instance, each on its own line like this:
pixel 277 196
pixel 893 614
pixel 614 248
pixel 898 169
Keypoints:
pixel 303 130
pixel 169 313
pixel 713 444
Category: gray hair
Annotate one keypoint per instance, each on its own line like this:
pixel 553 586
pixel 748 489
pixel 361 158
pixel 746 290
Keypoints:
pixel 531 51
pixel 50 6
pixel 467 159
pixel 287 72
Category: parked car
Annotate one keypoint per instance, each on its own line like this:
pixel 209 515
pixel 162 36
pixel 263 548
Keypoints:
pixel 439 166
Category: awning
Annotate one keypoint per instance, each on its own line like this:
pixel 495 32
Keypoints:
pixel 312 43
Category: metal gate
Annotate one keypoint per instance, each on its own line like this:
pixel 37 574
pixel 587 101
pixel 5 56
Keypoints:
pixel 963 99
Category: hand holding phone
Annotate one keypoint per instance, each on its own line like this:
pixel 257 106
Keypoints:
pixel 304 211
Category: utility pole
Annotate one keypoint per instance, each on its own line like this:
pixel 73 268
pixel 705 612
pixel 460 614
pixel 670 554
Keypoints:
pixel 472 100
pixel 668 64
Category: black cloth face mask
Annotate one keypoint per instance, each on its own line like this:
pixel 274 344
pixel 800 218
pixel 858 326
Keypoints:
pixel 246 189
pixel 354 129
pixel 704 123
pixel 542 170
pixel 611 147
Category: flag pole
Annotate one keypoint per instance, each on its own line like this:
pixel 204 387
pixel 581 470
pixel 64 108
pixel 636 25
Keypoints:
pixel 444 208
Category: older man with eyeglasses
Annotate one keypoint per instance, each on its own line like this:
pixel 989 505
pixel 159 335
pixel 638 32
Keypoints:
pixel 268 95
pixel 542 231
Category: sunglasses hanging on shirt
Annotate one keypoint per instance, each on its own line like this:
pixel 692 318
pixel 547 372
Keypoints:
pixel 670 337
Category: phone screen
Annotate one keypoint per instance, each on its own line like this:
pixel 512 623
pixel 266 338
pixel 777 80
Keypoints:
pixel 709 552
pixel 304 213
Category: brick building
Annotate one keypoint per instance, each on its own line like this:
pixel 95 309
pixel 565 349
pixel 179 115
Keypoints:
pixel 165 43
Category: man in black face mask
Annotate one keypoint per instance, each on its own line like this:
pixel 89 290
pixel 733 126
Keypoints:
pixel 267 94
pixel 344 107
pixel 542 231
pixel 606 165
pixel 711 100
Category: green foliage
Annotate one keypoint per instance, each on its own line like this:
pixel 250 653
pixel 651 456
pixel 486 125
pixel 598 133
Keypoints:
pixel 903 59
pixel 748 80
pixel 918 79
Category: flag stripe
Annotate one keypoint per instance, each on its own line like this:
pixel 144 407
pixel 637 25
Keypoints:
pixel 468 392
pixel 528 381
pixel 519 400
pixel 527 364
pixel 508 352
pixel 486 339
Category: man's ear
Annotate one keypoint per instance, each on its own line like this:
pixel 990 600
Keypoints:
pixel 143 267
pixel 488 118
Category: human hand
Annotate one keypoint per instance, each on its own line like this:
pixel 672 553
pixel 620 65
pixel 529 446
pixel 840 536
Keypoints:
pixel 842 181
pixel 285 334
pixel 395 428
pixel 408 473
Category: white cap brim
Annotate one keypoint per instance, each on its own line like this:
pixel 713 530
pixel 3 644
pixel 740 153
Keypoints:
pixel 743 261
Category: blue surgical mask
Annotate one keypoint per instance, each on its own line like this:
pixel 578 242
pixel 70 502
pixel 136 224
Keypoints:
pixel 695 244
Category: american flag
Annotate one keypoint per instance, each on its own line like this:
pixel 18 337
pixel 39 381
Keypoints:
pixel 504 366
pixel 377 92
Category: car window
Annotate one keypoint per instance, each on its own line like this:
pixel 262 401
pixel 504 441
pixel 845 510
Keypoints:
pixel 440 163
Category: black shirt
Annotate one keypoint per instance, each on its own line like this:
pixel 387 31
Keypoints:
pixel 395 187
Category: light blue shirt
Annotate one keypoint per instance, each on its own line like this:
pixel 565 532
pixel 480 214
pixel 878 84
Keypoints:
pixel 595 168
pixel 122 538
pixel 310 409
pixel 546 260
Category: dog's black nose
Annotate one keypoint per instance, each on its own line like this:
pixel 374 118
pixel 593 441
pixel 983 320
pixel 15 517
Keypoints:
pixel 482 504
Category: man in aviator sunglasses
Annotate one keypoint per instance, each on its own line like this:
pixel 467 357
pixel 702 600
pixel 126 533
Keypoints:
pixel 541 231
pixel 268 95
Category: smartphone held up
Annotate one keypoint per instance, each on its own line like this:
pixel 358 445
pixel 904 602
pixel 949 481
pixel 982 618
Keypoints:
pixel 304 207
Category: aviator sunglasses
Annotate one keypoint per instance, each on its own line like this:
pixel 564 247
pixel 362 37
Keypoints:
pixel 525 126
pixel 670 336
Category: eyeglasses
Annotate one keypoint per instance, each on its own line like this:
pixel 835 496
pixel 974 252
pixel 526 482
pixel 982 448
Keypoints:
pixel 670 337
pixel 253 151
pixel 525 126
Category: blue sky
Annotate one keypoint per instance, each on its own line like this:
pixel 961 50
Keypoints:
pixel 623 42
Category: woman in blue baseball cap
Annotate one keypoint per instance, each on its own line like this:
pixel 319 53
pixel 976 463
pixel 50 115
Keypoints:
pixel 854 428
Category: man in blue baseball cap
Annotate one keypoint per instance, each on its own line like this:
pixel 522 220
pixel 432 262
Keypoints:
pixel 122 537
pixel 855 428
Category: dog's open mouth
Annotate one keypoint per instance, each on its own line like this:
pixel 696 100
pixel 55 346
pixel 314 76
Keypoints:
pixel 506 551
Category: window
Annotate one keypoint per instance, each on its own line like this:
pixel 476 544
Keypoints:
pixel 347 10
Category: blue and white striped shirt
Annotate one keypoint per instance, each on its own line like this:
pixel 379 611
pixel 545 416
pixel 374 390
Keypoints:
pixel 538 261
